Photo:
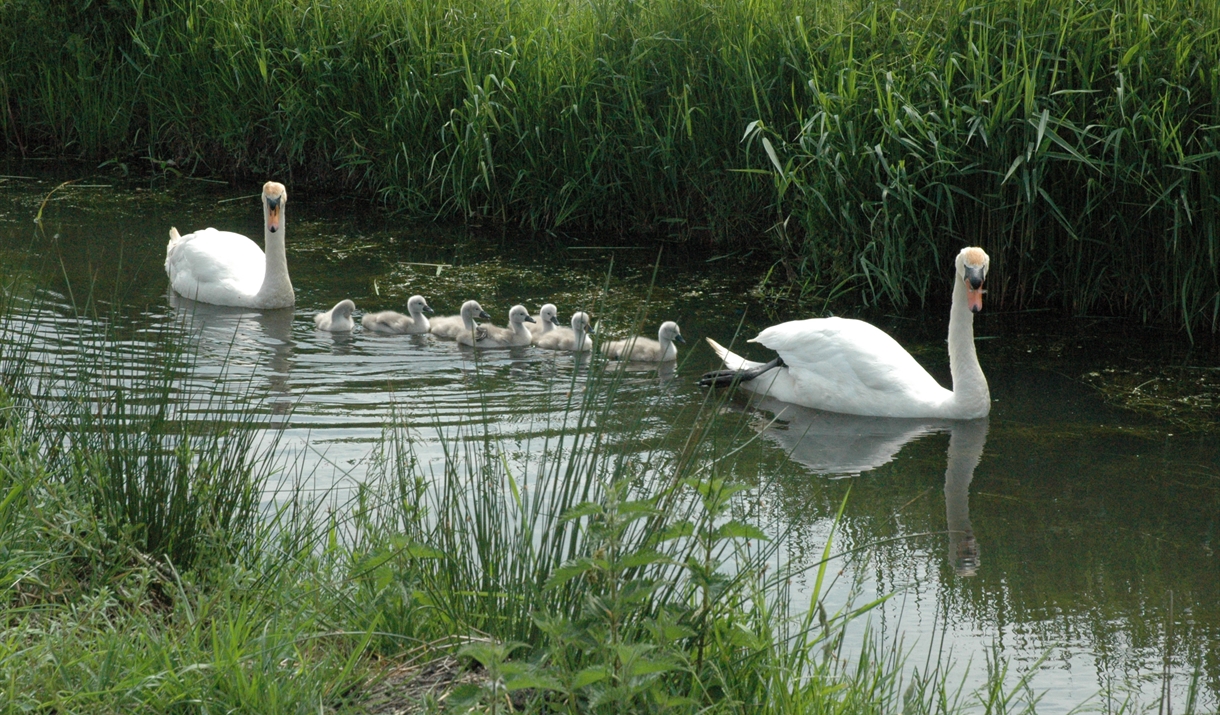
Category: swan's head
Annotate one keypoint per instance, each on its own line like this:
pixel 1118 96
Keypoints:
pixel 580 322
pixel 416 305
pixel 549 314
pixel 518 315
pixel 472 309
pixel 669 331
pixel 274 198
pixel 972 270
pixel 343 309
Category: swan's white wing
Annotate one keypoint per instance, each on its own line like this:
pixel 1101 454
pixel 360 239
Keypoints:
pixel 850 362
pixel 213 266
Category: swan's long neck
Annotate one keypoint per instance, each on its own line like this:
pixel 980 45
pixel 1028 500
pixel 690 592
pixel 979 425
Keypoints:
pixel 970 394
pixel 277 286
pixel 468 320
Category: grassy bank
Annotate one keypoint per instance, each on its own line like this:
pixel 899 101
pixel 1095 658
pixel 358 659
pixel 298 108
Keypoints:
pixel 861 142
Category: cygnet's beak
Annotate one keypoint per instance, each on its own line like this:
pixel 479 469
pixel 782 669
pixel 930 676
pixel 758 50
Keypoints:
pixel 679 339
pixel 554 320
pixel 428 309
pixel 528 319
pixel 484 315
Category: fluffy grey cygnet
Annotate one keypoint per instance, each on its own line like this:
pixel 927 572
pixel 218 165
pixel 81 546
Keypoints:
pixel 389 321
pixel 639 349
pixel 451 326
pixel 491 336
pixel 338 319
pixel 546 320
pixel 575 338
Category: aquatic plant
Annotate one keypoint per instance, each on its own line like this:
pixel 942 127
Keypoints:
pixel 1073 140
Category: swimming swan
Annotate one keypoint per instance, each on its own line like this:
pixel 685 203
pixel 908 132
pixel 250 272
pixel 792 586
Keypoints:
pixel 640 349
pixel 338 319
pixel 546 320
pixel 852 367
pixel 225 268
pixel 451 326
pixel 389 321
pixel 492 336
pixel 575 338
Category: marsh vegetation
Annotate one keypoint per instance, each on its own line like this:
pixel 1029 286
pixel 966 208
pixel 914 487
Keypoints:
pixel 857 143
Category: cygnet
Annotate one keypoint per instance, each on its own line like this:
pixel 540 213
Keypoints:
pixel 491 336
pixel 640 349
pixel 575 338
pixel 338 319
pixel 451 326
pixel 546 320
pixel 389 321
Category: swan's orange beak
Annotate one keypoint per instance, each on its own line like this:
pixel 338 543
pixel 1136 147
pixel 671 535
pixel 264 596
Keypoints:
pixel 974 298
pixel 273 217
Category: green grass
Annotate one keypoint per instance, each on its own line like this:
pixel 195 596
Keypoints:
pixel 862 142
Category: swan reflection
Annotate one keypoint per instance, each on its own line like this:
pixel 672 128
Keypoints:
pixel 846 445
pixel 243 336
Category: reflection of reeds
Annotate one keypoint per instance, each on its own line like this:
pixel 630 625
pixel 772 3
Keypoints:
pixel 1075 141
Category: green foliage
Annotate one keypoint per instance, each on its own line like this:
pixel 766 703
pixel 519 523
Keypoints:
pixel 1075 141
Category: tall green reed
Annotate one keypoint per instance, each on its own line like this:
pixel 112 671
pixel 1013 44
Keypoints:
pixel 1074 141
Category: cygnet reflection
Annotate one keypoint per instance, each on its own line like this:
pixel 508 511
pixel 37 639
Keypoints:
pixel 846 445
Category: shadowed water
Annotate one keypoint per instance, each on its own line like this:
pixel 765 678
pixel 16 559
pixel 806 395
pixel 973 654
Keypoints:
pixel 1049 534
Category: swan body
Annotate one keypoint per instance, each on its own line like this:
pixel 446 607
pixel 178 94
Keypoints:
pixel 852 367
pixel 451 326
pixel 574 339
pixel 338 319
pixel 639 349
pixel 546 320
pixel 389 321
pixel 226 268
pixel 493 337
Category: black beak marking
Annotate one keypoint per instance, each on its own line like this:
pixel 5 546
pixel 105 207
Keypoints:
pixel 974 276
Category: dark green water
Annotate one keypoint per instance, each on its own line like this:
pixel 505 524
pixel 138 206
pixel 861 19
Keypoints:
pixel 1058 551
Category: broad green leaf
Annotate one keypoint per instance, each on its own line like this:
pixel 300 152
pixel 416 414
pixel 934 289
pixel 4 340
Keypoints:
pixel 589 676
pixel 737 530
pixel 677 530
pixel 771 154
pixel 642 557
pixel 587 508
pixel 569 571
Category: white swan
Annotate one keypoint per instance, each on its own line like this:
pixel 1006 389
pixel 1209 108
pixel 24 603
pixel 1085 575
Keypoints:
pixel 546 320
pixel 492 336
pixel 225 268
pixel 852 367
pixel 575 338
pixel 389 321
pixel 640 349
pixel 451 326
pixel 338 319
